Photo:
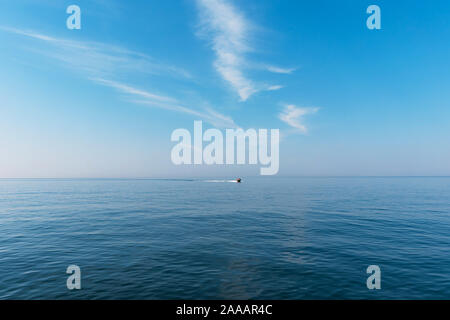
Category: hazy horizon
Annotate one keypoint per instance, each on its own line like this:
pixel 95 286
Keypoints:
pixel 210 177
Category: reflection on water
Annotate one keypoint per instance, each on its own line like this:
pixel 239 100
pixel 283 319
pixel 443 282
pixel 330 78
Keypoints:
pixel 266 238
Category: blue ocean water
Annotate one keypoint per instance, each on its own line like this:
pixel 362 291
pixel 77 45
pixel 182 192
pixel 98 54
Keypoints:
pixel 266 238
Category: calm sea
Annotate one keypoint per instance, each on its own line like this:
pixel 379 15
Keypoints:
pixel 266 238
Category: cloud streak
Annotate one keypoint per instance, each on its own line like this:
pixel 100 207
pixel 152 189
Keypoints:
pixel 99 59
pixel 275 69
pixel 102 63
pixel 293 116
pixel 139 96
pixel 229 34
pixel 227 30
pixel 274 88
pixel 133 91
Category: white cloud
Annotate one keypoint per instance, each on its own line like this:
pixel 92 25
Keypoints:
pixel 103 62
pixel 280 70
pixel 229 34
pixel 228 31
pixel 163 102
pixel 98 59
pixel 293 116
pixel 133 91
pixel 274 88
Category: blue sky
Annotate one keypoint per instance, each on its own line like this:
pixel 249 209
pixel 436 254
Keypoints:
pixel 102 101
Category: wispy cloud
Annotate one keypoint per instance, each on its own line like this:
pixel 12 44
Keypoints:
pixel 274 88
pixel 104 63
pixel 228 31
pixel 99 59
pixel 140 96
pixel 275 69
pixel 133 91
pixel 293 116
pixel 229 34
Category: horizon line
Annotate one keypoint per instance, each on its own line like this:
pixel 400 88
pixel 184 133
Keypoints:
pixel 210 177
